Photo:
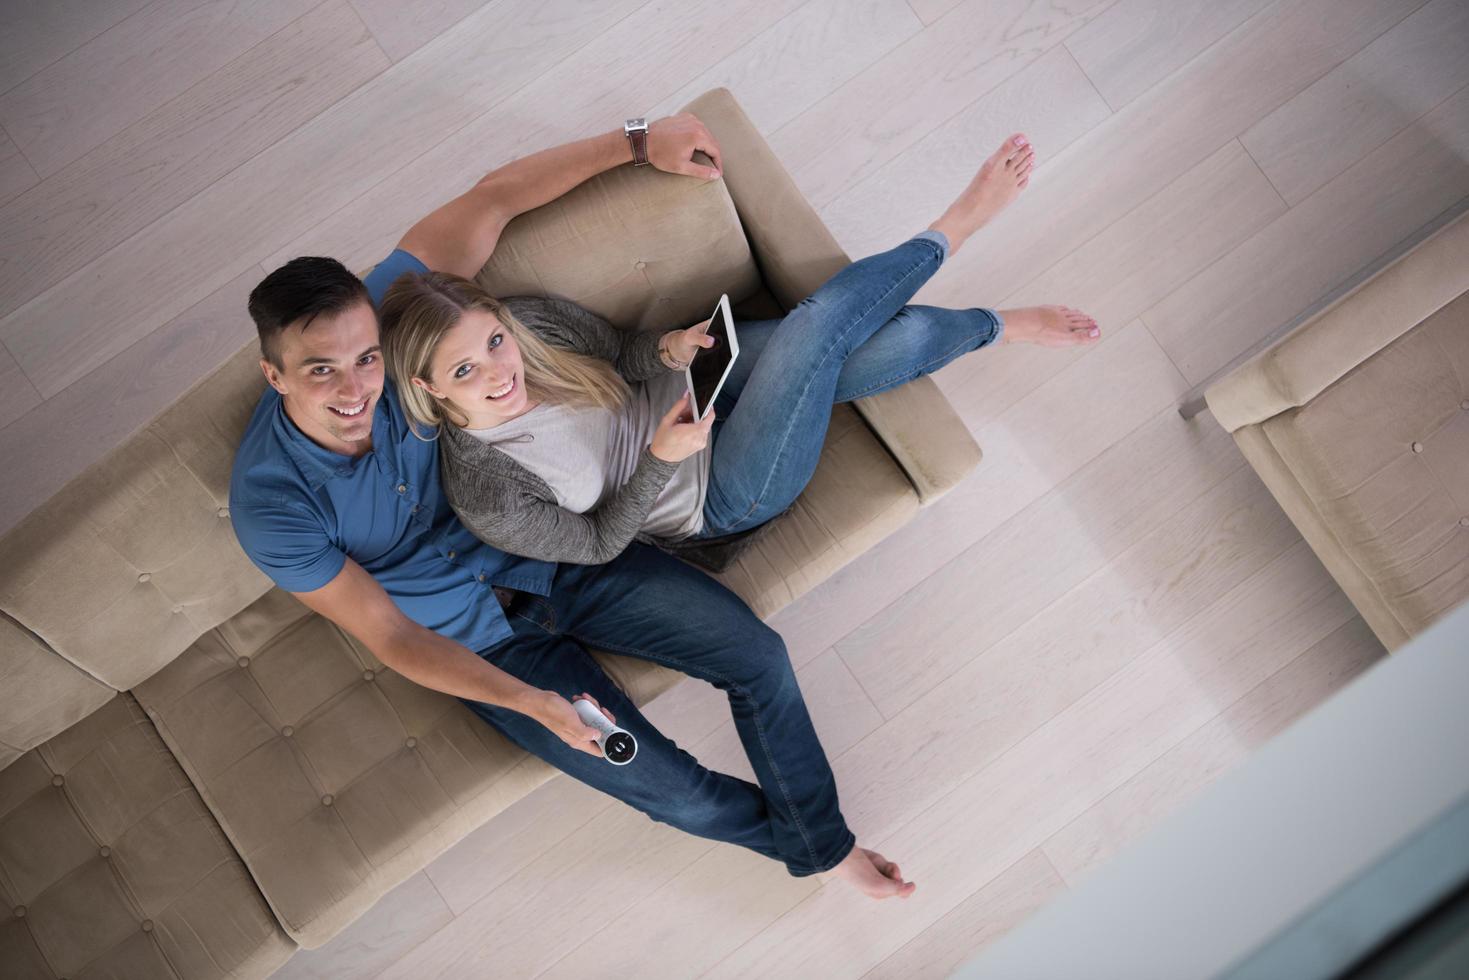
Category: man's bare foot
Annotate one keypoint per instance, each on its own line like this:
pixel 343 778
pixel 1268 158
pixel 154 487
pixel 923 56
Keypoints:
pixel 1049 326
pixel 999 181
pixel 873 875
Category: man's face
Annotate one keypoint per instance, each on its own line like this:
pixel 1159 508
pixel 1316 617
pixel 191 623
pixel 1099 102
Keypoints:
pixel 331 377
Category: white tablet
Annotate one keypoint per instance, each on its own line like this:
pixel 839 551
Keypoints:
pixel 714 362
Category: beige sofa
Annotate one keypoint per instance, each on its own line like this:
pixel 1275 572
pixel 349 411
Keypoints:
pixel 196 774
pixel 1358 422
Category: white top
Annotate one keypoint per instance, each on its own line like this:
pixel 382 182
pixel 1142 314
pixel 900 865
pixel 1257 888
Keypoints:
pixel 585 454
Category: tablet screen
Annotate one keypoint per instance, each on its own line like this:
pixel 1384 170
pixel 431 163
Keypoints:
pixel 709 365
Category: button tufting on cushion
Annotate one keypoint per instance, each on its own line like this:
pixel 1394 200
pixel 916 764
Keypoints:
pixel 165 860
pixel 392 810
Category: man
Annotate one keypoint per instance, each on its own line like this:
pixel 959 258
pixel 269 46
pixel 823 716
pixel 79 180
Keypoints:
pixel 338 500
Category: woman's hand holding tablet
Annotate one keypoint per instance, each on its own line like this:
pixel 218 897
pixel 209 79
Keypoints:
pixel 723 347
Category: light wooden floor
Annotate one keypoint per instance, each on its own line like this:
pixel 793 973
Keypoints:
pixel 1109 613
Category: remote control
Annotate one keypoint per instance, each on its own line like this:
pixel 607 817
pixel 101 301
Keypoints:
pixel 618 747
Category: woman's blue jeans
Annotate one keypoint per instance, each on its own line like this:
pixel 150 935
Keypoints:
pixel 853 337
pixel 647 605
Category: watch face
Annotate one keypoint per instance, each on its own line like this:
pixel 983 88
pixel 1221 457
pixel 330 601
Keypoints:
pixel 635 124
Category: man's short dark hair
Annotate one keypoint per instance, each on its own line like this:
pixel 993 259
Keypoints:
pixel 302 289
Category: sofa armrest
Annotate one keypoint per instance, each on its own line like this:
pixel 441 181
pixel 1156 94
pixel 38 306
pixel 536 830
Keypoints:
pixel 1315 355
pixel 796 254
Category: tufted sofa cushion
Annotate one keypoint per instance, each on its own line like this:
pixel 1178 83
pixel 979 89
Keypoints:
pixel 110 865
pixel 333 777
pixel 1383 456
pixel 131 561
pixel 41 694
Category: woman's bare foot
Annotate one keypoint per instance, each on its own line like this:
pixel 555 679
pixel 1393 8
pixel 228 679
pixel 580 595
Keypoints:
pixel 999 181
pixel 1049 326
pixel 873 875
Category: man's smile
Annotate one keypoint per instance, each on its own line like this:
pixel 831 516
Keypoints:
pixel 351 411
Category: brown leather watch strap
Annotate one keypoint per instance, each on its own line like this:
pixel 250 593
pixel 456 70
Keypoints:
pixel 637 135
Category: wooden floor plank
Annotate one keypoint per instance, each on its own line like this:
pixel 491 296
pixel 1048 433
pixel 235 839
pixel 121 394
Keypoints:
pixel 33 35
pixel 1291 264
pixel 181 148
pixel 60 437
pixel 982 918
pixel 999 814
pixel 1364 101
pixel 1225 742
pixel 1107 507
pixel 214 236
pixel 929 11
pixel 1133 263
pixel 900 99
pixel 16 174
pixel 803 57
pixel 75 104
pixel 403 28
pixel 1136 44
pixel 17 394
pixel 1049 100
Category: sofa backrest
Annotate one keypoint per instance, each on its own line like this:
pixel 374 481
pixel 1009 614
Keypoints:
pixel 134 560
pixel 644 249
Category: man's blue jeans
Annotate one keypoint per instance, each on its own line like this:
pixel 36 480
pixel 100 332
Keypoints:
pixel 853 337
pixel 648 605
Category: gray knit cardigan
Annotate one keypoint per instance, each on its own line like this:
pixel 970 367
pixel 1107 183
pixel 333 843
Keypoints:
pixel 508 506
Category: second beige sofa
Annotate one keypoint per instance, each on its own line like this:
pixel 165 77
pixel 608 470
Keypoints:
pixel 1358 422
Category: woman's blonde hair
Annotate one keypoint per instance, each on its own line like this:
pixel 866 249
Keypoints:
pixel 420 308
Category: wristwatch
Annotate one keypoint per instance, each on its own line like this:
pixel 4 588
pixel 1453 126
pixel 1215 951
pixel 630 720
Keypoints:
pixel 637 135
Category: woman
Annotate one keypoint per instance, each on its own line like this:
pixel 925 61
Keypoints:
pixel 565 438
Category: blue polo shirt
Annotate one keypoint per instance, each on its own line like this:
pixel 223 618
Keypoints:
pixel 300 511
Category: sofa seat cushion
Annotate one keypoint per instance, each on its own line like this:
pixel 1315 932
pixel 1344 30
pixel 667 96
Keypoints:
pixel 1383 456
pixel 857 497
pixel 334 777
pixel 110 864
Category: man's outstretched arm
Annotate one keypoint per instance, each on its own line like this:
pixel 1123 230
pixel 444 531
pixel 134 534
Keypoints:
pixel 357 603
pixel 460 236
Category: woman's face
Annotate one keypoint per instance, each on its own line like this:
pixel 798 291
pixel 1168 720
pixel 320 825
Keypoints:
pixel 478 370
